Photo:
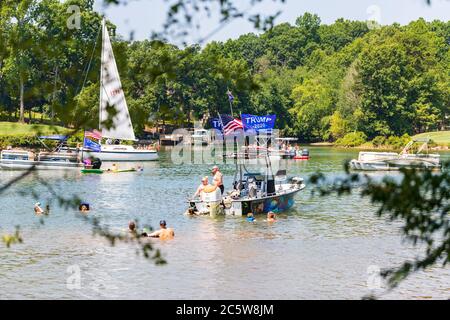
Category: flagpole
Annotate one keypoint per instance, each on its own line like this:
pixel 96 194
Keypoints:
pixel 223 132
pixel 230 101
pixel 82 146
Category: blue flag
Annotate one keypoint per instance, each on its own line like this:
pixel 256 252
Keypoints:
pixel 216 123
pixel 258 123
pixel 230 96
pixel 91 145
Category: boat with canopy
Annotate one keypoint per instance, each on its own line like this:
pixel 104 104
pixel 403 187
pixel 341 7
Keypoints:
pixel 388 161
pixel 60 158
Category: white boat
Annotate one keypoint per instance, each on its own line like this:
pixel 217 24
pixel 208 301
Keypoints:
pixel 16 159
pixel 252 193
pixel 387 161
pixel 112 96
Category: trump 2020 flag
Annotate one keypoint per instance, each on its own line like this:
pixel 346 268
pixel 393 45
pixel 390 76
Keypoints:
pixel 91 145
pixel 258 123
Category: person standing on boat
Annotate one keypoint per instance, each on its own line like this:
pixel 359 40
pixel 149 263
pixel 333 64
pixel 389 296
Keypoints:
pixel 218 178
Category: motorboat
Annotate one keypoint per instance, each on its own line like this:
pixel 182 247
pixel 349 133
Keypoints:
pixel 387 161
pixel 302 155
pixel 57 159
pixel 256 193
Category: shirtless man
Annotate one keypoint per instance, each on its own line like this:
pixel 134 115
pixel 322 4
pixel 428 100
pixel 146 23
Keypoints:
pixel 37 209
pixel 164 233
pixel 200 188
pixel 218 178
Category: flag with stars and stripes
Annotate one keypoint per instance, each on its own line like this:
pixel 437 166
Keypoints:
pixel 230 124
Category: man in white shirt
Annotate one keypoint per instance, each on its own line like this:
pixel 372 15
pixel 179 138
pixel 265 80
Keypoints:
pixel 200 188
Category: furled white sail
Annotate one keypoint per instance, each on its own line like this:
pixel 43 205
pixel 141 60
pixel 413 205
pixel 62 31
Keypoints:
pixel 115 121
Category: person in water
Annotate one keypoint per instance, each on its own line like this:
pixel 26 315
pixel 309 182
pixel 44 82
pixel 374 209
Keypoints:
pixel 201 187
pixel 251 217
pixel 164 233
pixel 218 178
pixel 271 217
pixel 132 227
pixel 87 163
pixel 114 167
pixel 84 208
pixel 37 209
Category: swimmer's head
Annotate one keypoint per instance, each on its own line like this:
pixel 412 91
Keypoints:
pixel 163 223
pixel 37 204
pixel 205 180
pixel 132 226
pixel 250 215
pixel 271 215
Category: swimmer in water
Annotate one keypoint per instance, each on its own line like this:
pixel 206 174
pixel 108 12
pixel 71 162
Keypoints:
pixel 84 208
pixel 251 217
pixel 164 233
pixel 37 209
pixel 132 227
pixel 271 217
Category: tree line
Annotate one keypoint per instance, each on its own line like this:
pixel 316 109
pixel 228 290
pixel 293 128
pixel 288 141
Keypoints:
pixel 323 81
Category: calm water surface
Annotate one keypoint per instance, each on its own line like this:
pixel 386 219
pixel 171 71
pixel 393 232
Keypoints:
pixel 321 249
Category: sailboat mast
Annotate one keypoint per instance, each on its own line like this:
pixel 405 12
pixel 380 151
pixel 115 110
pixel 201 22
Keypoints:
pixel 101 74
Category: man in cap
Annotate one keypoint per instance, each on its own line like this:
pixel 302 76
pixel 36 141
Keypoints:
pixel 218 178
pixel 164 233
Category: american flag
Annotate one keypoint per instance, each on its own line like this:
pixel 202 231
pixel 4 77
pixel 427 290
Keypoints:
pixel 230 124
pixel 93 134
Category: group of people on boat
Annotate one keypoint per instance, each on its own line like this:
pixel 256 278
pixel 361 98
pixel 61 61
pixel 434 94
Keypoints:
pixel 294 150
pixel 217 183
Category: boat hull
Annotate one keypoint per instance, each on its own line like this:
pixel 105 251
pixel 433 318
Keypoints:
pixel 38 165
pixel 241 207
pixel 124 156
pixel 393 165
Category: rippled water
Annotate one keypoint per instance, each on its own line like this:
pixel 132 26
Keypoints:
pixel 321 249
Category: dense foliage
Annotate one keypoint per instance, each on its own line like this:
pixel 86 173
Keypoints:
pixel 324 81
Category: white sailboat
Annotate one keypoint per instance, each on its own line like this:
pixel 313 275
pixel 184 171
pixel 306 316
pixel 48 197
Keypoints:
pixel 119 125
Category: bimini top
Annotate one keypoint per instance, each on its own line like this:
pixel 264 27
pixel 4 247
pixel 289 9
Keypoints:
pixel 54 137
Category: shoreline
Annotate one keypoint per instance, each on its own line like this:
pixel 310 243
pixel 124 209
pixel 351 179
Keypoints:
pixel 370 148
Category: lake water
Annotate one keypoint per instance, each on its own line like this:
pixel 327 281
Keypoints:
pixel 325 248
